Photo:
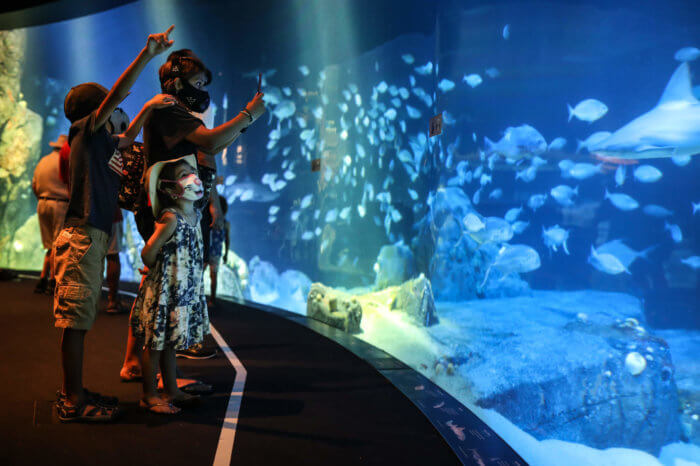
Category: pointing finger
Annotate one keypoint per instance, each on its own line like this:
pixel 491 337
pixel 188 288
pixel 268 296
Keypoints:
pixel 170 29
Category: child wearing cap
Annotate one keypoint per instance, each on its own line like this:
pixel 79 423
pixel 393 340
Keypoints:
pixel 170 310
pixel 81 246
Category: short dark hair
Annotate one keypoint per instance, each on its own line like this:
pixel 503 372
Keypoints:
pixel 180 64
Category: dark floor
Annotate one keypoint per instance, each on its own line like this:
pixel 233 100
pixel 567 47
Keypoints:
pixel 307 400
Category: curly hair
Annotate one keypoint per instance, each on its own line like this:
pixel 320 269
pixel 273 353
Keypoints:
pixel 182 64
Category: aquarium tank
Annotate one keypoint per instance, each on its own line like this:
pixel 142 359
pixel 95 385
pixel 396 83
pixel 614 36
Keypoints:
pixel 503 195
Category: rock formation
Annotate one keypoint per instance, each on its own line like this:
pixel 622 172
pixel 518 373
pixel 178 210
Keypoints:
pixel 415 299
pixel 395 264
pixel 20 136
pixel 335 308
pixel 456 263
pixel 554 365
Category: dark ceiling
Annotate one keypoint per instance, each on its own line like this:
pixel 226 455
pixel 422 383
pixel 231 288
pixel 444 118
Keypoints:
pixel 268 26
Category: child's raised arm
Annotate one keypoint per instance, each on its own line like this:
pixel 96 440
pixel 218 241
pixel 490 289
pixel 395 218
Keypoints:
pixel 165 227
pixel 159 101
pixel 157 43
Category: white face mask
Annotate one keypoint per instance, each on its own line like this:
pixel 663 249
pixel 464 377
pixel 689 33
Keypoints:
pixel 191 187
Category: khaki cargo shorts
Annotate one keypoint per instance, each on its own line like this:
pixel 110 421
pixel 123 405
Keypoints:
pixel 79 265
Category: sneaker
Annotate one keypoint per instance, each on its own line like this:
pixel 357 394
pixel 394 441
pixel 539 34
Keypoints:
pixel 196 352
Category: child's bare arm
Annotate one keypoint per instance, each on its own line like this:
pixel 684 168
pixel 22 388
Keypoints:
pixel 159 101
pixel 165 227
pixel 157 43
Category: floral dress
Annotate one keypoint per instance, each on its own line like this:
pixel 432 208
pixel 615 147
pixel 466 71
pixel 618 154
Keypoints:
pixel 171 308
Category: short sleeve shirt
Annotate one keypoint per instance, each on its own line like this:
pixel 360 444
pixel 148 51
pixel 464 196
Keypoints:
pixel 164 133
pixel 94 186
pixel 47 182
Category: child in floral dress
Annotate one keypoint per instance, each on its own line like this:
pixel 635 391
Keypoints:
pixel 170 311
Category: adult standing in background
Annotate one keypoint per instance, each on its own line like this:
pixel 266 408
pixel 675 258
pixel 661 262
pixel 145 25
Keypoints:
pixel 52 194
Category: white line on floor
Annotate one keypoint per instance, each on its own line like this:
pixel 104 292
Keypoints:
pixel 224 448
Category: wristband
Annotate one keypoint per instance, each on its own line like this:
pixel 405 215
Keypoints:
pixel 247 113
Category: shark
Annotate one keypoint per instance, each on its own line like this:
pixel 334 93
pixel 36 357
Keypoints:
pixel 670 129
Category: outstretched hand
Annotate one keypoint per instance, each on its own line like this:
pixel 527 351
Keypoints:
pixel 256 107
pixel 159 43
pixel 161 100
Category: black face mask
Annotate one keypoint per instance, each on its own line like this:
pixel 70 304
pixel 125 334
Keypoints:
pixel 195 99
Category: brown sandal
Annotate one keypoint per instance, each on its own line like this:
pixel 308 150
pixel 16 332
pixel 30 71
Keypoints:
pixel 88 411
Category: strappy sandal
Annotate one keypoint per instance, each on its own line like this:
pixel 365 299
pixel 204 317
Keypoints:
pixel 88 411
pixel 158 408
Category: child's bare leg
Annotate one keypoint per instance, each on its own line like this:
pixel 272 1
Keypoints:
pixel 150 360
pixel 132 355
pixel 151 398
pixel 213 273
pixel 168 367
pixel 113 272
pixel 72 345
pixel 169 371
